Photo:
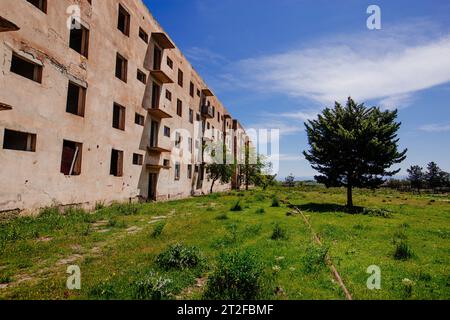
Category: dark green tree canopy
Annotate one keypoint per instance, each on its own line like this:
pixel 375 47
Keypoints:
pixel 354 146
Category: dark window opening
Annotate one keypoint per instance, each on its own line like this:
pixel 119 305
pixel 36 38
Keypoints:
pixel 177 171
pixel 138 159
pixel 180 78
pixel 40 4
pixel 141 76
pixel 167 132
pixel 121 68
pixel 20 141
pixel 157 58
pixel 71 158
pixel 179 108
pixel 154 130
pixel 143 35
pixel 156 92
pixel 170 63
pixel 166 163
pixel 76 99
pixel 189 171
pixel 26 68
pixel 79 40
pixel 168 95
pixel 191 116
pixel 123 23
pixel 192 90
pixel 119 117
pixel 139 119
pixel 116 163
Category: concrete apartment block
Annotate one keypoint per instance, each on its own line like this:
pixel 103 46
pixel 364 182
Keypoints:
pixel 108 111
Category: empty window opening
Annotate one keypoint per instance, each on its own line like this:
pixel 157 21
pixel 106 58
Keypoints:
pixel 177 171
pixel 168 95
pixel 180 78
pixel 154 134
pixel 71 158
pixel 191 116
pixel 156 92
pixel 138 159
pixel 26 68
pixel 169 63
pixel 76 99
pixel 177 140
pixel 121 68
pixel 166 163
pixel 40 4
pixel 119 117
pixel 157 58
pixel 123 23
pixel 179 108
pixel 189 171
pixel 116 163
pixel 139 119
pixel 143 35
pixel 20 141
pixel 79 40
pixel 192 90
pixel 167 132
pixel 141 76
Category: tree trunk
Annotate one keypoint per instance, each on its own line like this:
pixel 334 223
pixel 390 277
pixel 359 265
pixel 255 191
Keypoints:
pixel 349 197
pixel 212 186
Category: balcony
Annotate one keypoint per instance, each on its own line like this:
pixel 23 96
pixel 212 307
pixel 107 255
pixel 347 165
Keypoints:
pixel 162 40
pixel 161 77
pixel 6 25
pixel 4 107
pixel 207 93
pixel 156 167
pixel 158 113
pixel 157 149
pixel 207 112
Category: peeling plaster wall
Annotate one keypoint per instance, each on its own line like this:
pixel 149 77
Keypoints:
pixel 32 180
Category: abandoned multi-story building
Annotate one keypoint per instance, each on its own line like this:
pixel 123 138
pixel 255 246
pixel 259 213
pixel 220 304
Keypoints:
pixel 97 104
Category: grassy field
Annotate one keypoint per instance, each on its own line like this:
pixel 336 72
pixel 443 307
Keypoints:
pixel 119 248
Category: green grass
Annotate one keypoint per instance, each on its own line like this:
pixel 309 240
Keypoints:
pixel 117 247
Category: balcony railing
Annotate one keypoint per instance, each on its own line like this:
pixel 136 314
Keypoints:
pixel 207 112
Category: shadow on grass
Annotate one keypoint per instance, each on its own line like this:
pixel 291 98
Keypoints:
pixel 329 207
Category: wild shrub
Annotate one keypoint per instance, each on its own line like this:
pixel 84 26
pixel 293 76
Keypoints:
pixel 152 287
pixel 275 202
pixel 125 209
pixel 278 233
pixel 115 223
pixel 236 206
pixel 103 290
pixel 99 206
pixel 158 229
pixel 222 216
pixel 253 230
pixel 178 256
pixel 403 251
pixel 260 211
pixel 377 212
pixel 236 276
pixel 260 197
pixel 315 258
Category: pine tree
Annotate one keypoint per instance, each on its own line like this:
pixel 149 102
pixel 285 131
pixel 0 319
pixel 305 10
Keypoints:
pixel 435 177
pixel 353 146
pixel 416 177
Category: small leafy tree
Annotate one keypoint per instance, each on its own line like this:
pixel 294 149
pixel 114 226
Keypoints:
pixel 289 181
pixel 353 146
pixel 218 169
pixel 416 177
pixel 436 177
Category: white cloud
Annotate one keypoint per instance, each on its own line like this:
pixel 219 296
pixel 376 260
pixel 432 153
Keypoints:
pixel 389 67
pixel 435 127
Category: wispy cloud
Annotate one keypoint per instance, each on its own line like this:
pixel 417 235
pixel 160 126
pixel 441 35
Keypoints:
pixel 205 56
pixel 435 127
pixel 389 67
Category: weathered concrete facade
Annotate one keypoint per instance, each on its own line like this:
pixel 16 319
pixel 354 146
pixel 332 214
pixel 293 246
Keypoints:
pixel 114 144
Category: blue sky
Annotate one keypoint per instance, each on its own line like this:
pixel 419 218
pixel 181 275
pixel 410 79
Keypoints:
pixel 276 63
